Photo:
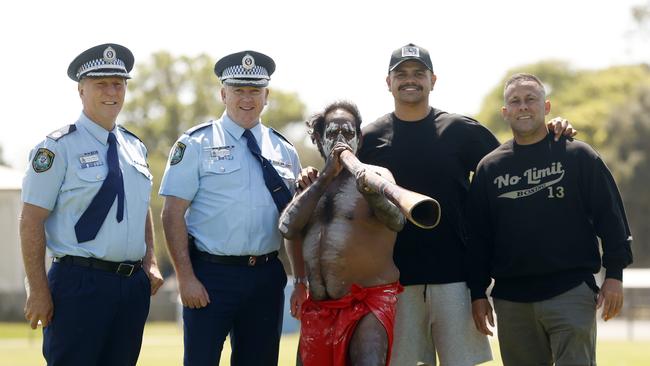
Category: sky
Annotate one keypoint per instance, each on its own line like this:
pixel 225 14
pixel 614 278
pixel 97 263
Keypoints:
pixel 324 50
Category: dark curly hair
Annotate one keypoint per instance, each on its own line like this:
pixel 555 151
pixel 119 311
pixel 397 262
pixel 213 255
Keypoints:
pixel 316 123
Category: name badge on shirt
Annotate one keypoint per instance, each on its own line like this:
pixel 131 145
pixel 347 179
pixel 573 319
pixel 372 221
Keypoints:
pixel 90 159
pixel 280 163
pixel 221 152
pixel 144 165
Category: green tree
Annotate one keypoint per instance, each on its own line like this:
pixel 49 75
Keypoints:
pixel 627 153
pixel 170 94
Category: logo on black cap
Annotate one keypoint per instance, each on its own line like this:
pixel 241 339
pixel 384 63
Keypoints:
pixel 410 51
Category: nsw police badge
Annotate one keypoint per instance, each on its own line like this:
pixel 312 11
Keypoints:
pixel 42 160
pixel 177 153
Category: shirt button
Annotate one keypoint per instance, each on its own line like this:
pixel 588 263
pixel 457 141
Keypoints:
pixel 99 176
pixel 222 169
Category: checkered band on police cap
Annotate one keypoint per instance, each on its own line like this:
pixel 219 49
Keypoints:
pixel 238 74
pixel 102 61
pixel 246 68
pixel 101 67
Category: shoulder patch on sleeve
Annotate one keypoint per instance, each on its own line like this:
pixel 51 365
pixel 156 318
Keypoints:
pixel 282 137
pixel 198 127
pixel 65 130
pixel 123 129
pixel 177 153
pixel 43 160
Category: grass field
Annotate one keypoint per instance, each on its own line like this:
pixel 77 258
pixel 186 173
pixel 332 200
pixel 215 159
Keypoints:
pixel 163 346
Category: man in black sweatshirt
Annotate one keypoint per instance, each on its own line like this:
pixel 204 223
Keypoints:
pixel 544 292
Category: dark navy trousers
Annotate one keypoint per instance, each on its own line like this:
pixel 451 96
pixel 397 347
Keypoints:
pixel 98 316
pixel 246 302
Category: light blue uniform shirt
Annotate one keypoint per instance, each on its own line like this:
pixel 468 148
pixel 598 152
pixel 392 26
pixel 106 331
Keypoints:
pixel 231 210
pixel 78 169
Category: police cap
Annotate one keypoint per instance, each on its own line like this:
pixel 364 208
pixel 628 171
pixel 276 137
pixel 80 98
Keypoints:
pixel 245 68
pixel 105 60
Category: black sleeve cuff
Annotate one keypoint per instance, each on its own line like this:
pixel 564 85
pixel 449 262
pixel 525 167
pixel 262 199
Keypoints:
pixel 615 273
pixel 478 294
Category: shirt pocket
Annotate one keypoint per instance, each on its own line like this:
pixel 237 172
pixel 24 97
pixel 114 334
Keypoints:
pixel 87 177
pixel 222 174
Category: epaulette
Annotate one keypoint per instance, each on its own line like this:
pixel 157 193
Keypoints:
pixel 123 129
pixel 56 135
pixel 280 135
pixel 198 127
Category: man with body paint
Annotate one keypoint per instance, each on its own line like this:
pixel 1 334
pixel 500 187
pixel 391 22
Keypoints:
pixel 342 234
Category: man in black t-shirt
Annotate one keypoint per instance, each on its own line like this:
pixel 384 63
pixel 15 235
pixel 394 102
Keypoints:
pixel 545 294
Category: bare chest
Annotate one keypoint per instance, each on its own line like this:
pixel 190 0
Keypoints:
pixel 340 201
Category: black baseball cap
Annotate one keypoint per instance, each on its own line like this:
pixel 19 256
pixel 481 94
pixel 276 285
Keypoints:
pixel 410 52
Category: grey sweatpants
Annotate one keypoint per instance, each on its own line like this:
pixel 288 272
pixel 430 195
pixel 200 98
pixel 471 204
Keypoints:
pixel 561 329
pixel 437 319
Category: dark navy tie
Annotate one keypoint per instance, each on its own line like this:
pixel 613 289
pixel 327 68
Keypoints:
pixel 275 184
pixel 92 219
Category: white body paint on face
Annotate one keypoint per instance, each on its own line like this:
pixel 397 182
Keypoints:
pixel 340 131
pixel 340 126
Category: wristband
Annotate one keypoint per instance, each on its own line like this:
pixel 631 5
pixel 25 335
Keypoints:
pixel 303 280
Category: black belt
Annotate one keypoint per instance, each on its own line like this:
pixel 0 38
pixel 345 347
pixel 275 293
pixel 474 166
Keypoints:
pixel 237 260
pixel 124 269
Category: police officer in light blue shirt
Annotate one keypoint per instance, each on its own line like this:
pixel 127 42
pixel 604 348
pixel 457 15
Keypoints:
pixel 86 198
pixel 225 184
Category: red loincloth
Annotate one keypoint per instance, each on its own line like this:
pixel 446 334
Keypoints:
pixel 327 326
